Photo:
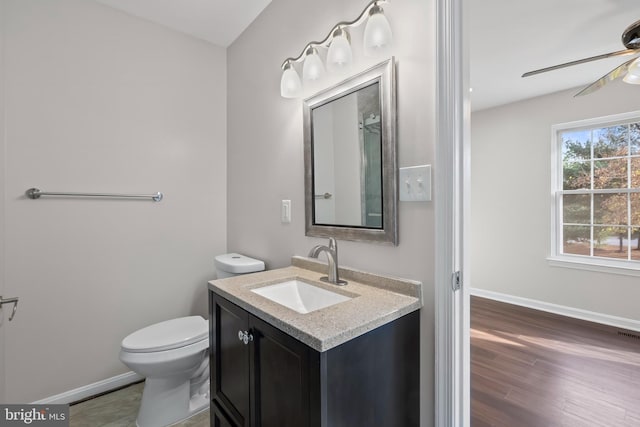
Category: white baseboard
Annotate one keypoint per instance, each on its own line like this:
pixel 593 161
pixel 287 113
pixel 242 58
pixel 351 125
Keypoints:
pixel 91 389
pixel 591 316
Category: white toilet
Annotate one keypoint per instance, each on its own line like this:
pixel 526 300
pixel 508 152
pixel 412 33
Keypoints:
pixel 174 357
pixel 233 264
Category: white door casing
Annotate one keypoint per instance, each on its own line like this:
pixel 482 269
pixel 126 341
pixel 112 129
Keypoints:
pixel 3 156
pixel 452 388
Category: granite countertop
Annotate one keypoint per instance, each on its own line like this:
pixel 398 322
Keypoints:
pixel 375 301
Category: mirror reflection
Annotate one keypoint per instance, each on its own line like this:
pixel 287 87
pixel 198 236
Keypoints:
pixel 350 158
pixel 347 160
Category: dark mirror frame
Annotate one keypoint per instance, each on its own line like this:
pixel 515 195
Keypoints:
pixel 384 74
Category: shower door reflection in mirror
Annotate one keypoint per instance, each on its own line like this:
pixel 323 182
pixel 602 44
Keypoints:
pixel 347 160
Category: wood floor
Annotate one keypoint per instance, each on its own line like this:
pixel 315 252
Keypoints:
pixel 532 368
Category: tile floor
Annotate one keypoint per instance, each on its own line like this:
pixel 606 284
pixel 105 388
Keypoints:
pixel 119 409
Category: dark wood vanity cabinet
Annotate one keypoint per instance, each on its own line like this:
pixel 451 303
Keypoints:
pixel 230 366
pixel 218 417
pixel 274 380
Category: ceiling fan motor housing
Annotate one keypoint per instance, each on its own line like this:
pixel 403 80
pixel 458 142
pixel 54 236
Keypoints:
pixel 631 36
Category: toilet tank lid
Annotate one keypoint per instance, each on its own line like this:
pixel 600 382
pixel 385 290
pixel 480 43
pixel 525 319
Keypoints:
pixel 167 335
pixel 238 264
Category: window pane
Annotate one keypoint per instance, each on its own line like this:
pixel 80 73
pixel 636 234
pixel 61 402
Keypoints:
pixel 576 145
pixel 576 240
pixel 603 157
pixel 576 208
pixel 634 136
pixel 610 174
pixel 610 209
pixel 610 142
pixel 610 242
pixel 576 175
pixel 635 209
pixel 635 244
pixel 635 172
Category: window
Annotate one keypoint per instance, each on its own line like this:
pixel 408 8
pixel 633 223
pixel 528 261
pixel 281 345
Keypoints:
pixel 597 191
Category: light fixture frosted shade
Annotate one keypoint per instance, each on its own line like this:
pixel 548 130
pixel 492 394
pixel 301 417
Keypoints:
pixel 631 79
pixel 634 68
pixel 377 33
pixel 290 84
pixel 339 56
pixel 312 69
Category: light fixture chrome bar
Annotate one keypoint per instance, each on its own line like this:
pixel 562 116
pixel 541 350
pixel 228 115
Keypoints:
pixel 34 193
pixel 359 20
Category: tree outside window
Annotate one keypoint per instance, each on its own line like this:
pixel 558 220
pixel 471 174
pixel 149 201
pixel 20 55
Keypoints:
pixel 600 196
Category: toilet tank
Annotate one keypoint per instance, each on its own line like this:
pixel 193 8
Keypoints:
pixel 233 264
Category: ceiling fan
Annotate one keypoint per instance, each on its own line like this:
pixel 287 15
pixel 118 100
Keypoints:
pixel 629 70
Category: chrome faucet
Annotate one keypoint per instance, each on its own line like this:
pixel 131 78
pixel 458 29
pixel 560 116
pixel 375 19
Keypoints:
pixel 332 261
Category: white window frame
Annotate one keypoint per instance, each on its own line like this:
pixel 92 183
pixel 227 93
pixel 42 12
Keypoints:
pixel 557 258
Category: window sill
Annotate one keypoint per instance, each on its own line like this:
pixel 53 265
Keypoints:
pixel 600 265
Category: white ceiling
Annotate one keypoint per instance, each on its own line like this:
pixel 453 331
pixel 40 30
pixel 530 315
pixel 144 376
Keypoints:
pixel 510 37
pixel 217 21
pixel 507 38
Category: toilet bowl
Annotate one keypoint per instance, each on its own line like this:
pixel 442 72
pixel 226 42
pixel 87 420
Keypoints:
pixel 173 356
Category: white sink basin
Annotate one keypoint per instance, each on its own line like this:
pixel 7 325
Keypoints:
pixel 300 296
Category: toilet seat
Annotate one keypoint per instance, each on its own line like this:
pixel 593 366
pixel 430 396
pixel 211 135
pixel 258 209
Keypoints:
pixel 151 358
pixel 167 335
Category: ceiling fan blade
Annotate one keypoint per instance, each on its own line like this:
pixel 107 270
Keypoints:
pixel 617 72
pixel 581 61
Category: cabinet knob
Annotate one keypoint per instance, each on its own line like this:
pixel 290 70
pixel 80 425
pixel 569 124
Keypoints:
pixel 245 337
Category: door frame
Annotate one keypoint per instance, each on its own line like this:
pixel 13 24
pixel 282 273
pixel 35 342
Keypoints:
pixel 452 358
pixel 3 186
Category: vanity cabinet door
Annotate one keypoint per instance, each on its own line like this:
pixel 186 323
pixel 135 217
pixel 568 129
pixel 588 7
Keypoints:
pixel 230 376
pixel 280 373
pixel 219 418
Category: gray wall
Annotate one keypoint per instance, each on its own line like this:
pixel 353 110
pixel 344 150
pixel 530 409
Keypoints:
pixel 99 101
pixel 511 203
pixel 265 145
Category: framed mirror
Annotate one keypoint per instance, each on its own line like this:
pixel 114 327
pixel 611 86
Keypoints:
pixel 350 158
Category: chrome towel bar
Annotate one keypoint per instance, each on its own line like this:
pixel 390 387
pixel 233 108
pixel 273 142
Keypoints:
pixel 34 193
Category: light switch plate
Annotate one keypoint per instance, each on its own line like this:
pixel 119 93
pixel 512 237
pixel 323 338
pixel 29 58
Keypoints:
pixel 415 183
pixel 286 211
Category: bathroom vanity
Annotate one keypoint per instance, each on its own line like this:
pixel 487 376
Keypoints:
pixel 352 363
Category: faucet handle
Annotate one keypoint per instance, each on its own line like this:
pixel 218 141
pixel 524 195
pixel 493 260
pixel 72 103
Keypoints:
pixel 333 245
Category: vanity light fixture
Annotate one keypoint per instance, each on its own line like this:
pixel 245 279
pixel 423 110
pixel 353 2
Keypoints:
pixel 290 84
pixel 377 33
pixel 312 69
pixel 377 41
pixel 339 55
